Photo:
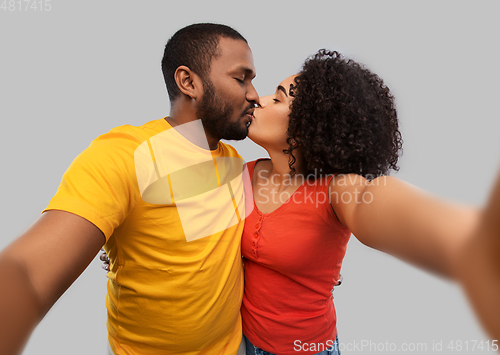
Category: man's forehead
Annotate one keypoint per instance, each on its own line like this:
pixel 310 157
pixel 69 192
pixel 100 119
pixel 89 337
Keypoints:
pixel 235 55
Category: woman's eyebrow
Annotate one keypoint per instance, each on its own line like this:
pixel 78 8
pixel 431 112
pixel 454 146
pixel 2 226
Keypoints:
pixel 279 87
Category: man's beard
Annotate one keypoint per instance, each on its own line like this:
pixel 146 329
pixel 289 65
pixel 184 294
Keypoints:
pixel 216 116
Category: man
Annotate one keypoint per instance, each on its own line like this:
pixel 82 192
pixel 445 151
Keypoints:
pixel 166 200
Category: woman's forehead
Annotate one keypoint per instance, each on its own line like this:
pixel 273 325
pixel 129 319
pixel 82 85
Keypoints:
pixel 286 83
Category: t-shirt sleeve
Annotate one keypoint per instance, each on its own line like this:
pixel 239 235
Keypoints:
pixel 100 185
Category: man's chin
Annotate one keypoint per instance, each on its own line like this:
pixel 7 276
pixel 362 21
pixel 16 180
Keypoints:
pixel 234 132
pixel 236 136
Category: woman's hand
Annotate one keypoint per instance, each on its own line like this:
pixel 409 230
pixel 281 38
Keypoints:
pixel 105 260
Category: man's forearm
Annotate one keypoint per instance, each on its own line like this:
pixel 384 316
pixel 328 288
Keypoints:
pixel 20 308
pixel 31 279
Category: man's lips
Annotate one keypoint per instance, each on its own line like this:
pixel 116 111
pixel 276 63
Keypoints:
pixel 250 120
pixel 250 111
pixel 250 116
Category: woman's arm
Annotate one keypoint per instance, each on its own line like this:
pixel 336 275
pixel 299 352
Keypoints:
pixel 397 218
pixel 478 266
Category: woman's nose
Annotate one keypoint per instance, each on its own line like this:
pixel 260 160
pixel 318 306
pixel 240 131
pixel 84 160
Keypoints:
pixel 263 101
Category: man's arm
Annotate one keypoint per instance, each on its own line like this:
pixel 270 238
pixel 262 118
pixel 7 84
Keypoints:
pixel 32 279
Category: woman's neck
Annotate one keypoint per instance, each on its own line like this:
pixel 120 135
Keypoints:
pixel 280 170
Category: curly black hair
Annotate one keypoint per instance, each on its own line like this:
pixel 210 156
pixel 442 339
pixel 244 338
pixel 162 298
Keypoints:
pixel 343 118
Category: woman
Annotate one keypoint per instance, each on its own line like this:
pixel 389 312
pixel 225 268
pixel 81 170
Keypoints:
pixel 334 117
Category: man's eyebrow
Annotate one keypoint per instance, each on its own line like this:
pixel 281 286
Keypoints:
pixel 279 87
pixel 248 71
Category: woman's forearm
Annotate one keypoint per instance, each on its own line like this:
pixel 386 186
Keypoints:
pixel 478 267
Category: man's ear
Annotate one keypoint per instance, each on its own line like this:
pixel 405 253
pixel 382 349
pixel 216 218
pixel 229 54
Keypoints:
pixel 188 82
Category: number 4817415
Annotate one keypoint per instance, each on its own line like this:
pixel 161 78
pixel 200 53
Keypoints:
pixel 26 5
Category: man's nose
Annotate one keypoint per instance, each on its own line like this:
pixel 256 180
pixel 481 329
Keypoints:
pixel 252 95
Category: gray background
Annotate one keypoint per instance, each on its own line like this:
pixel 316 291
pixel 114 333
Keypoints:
pixel 71 74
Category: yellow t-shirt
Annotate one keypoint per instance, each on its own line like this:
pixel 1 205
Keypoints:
pixel 176 279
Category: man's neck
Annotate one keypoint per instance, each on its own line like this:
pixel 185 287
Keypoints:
pixel 193 132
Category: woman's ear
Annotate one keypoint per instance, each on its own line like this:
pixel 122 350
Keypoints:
pixel 188 82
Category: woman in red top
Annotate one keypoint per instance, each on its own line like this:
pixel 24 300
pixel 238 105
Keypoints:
pixel 332 135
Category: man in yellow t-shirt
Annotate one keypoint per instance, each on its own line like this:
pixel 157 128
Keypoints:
pixel 166 200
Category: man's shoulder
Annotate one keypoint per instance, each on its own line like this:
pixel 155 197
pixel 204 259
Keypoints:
pixel 230 151
pixel 137 134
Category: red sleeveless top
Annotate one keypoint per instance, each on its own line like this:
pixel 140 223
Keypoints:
pixel 292 258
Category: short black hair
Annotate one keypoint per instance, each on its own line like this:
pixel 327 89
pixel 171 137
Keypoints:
pixel 343 118
pixel 193 46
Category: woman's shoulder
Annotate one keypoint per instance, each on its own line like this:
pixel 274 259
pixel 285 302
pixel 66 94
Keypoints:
pixel 341 182
pixel 259 164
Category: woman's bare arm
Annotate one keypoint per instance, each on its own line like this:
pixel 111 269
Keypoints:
pixel 397 218
pixel 478 266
